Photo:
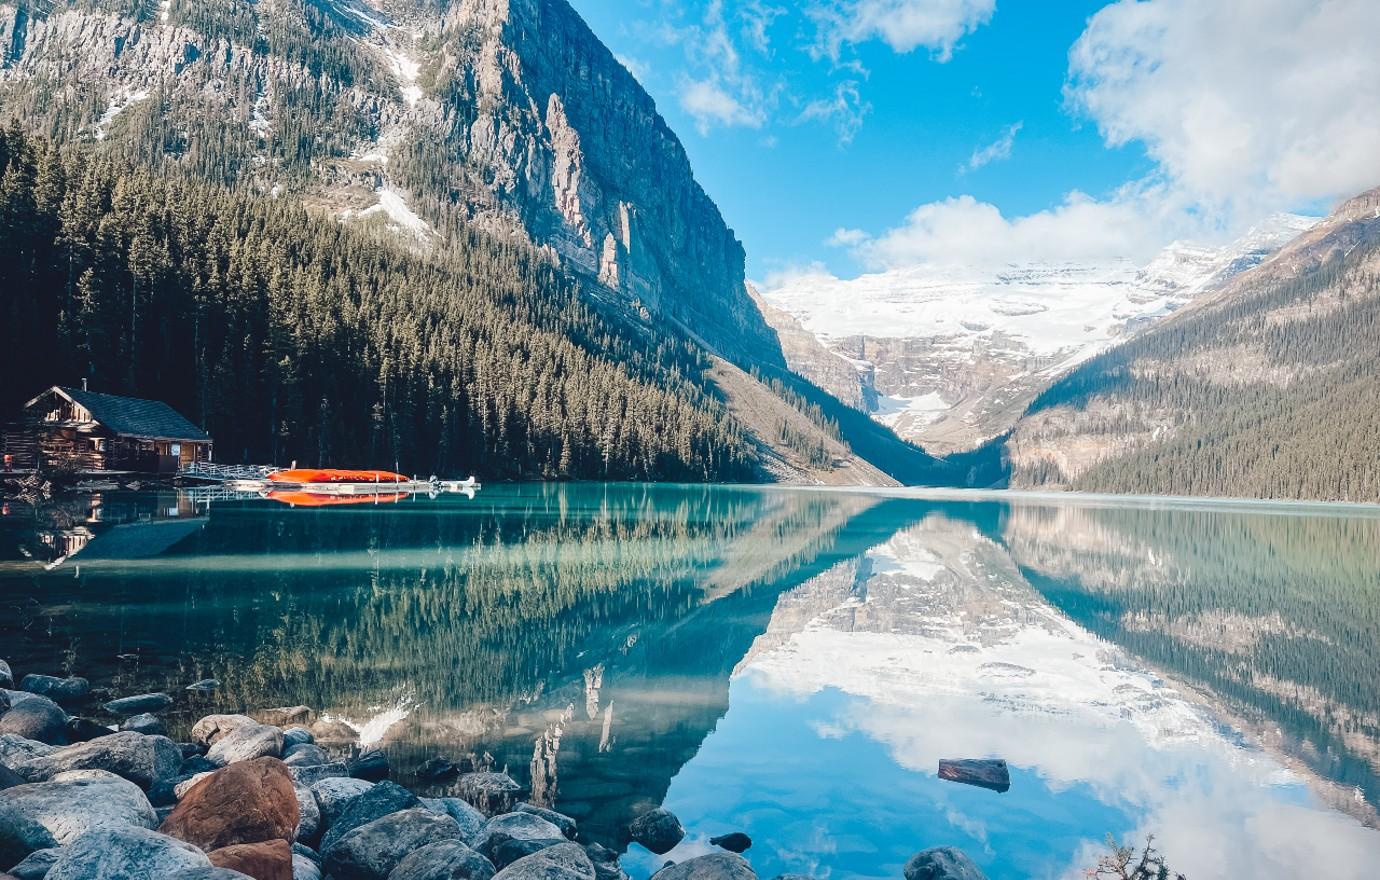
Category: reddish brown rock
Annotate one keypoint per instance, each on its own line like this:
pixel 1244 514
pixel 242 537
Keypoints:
pixel 247 802
pixel 269 860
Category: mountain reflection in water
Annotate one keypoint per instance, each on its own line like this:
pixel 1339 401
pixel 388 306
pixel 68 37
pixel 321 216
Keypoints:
pixel 788 663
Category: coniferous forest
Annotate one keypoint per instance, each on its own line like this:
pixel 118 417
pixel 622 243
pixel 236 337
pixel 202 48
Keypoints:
pixel 293 337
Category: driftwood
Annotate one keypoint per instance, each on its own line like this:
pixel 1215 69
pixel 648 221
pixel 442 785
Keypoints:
pixel 989 773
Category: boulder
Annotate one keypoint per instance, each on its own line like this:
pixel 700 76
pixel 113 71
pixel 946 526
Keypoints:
pixel 736 842
pixel 989 773
pixel 565 861
pixel 659 830
pixel 186 784
pixel 4 701
pixel 211 873
pixel 510 851
pixel 6 676
pixel 126 854
pixel 297 736
pixel 245 743
pixel 490 792
pixel 333 733
pixel 143 760
pixel 80 730
pixel 308 815
pixel 8 778
pixel 149 725
pixel 213 727
pixel 15 750
pixel 447 860
pixel 437 770
pixel 513 826
pixel 37 865
pixel 379 801
pixel 304 754
pixel 247 802
pixel 372 851
pixel 138 704
pixel 286 717
pixel 304 868
pixel 205 686
pixel 307 852
pixel 560 820
pixel 717 866
pixel 313 774
pixel 371 765
pixel 470 820
pixel 37 718
pixel 67 691
pixel 267 860
pixel 47 814
pixel 606 866
pixel 334 795
pixel 942 863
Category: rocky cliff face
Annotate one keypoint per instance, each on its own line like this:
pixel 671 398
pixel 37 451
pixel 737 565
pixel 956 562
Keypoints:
pixel 413 115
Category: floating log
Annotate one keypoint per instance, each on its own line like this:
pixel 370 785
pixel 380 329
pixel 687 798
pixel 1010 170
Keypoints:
pixel 988 773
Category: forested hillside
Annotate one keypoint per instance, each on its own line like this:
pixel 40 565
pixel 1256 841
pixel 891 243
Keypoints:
pixel 290 336
pixel 1270 390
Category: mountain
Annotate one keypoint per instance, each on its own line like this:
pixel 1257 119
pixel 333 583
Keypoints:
pixel 1265 388
pixel 951 356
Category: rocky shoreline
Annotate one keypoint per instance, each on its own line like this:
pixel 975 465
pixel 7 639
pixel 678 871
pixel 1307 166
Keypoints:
pixel 281 794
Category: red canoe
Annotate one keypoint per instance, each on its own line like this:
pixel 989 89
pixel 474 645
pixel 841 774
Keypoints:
pixel 307 499
pixel 318 476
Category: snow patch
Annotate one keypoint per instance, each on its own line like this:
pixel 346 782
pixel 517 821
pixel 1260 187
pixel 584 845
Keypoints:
pixel 923 410
pixel 164 10
pixel 407 70
pixel 399 216
pixel 119 103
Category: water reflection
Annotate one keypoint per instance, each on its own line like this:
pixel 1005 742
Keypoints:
pixel 788 663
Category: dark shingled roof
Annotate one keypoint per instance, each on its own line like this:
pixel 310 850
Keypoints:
pixel 137 418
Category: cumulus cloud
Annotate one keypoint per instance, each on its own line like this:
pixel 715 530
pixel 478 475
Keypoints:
pixel 904 25
pixel 712 106
pixel 1243 103
pixel 997 151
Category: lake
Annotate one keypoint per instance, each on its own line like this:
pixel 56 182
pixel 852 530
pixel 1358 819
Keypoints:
pixel 788 663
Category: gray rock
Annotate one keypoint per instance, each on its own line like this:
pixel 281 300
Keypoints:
pixel 181 788
pixel 126 854
pixel 659 830
pixel 334 733
pixel 37 865
pixel 80 730
pixel 212 727
pixel 308 815
pixel 717 866
pixel 138 704
pixel 286 716
pixel 205 686
pixel 513 826
pixel 4 701
pixel 333 795
pixel 245 743
pixel 35 717
pixel 306 852
pixel 143 760
pixel 8 778
pixel 372 851
pixel 304 754
pixel 490 792
pixel 470 820
pixel 736 841
pixel 212 873
pixel 48 814
pixel 15 749
pixel 942 863
pixel 437 770
pixel 565 861
pixel 560 820
pixel 510 851
pixel 371 765
pixel 606 866
pixel 447 860
pixel 380 800
pixel 297 736
pixel 310 776
pixel 6 676
pixel 60 690
pixel 304 868
pixel 149 725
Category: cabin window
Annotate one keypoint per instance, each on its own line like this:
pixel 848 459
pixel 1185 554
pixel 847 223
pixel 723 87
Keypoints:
pixel 98 444
pixel 175 450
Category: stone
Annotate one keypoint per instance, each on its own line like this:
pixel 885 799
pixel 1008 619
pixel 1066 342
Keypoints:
pixel 149 725
pixel 307 852
pixel 139 704
pixel 247 802
pixel 15 750
pixel 490 792
pixel 304 868
pixel 304 754
pixel 143 760
pixel 333 795
pixel 437 770
pixel 266 860
pixel 308 815
pixel 989 773
pixel 470 820
pixel 186 784
pixel 37 718
pixel 42 815
pixel 297 736
pixel 372 851
pixel 211 873
pixel 371 765
pixel 736 842
pixel 513 826
pixel 658 830
pixel 37 865
pixel 65 691
pixel 717 866
pixel 606 866
pixel 286 717
pixel 5 701
pixel 379 801
pixel 126 854
pixel 313 774
pixel 197 764
pixel 205 686
pixel 245 743
pixel 8 778
pixel 6 676
pixel 560 820
pixel 510 851
pixel 333 733
pixel 942 863
pixel 214 727
pixel 447 860
pixel 564 861
pixel 80 730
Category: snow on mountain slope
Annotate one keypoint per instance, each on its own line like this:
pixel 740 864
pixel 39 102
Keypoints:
pixel 950 355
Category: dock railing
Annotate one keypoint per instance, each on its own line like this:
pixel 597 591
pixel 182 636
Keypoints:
pixel 225 473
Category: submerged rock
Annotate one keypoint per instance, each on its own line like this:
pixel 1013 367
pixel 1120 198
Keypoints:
pixel 371 766
pixel 372 851
pixel 942 863
pixel 43 815
pixel 287 716
pixel 659 830
pixel 60 690
pixel 565 861
pixel 989 773
pixel 736 842
pixel 139 704
pixel 143 760
pixel 126 854
pixel 245 743
pixel 447 860
pixel 437 770
pixel 717 866
pixel 205 686
pixel 266 860
pixel 247 802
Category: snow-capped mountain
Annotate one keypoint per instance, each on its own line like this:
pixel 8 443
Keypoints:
pixel 949 356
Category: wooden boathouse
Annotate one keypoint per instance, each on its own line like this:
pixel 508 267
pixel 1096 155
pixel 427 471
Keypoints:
pixel 75 429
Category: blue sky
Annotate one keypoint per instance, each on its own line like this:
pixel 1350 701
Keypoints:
pixel 1103 124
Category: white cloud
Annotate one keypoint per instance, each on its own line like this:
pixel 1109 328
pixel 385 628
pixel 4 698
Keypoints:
pixel 847 238
pixel 846 110
pixel 1246 105
pixel 997 151
pixel 904 25
pixel 712 106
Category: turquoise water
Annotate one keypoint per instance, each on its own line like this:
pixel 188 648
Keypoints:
pixel 788 663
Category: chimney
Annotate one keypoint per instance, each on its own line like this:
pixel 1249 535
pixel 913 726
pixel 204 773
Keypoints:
pixel 83 384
